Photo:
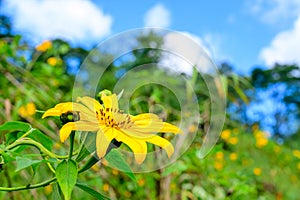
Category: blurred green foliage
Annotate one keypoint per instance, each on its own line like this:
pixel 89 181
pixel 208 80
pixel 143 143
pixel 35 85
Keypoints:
pixel 245 164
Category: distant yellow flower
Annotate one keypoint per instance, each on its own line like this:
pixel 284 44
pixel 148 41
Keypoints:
pixel 218 165
pixel 261 142
pixel 111 123
pixel 257 171
pixel 105 187
pixel 233 140
pixel 261 138
pixel 48 189
pixel 115 172
pixel 298 165
pixel 296 153
pixel 192 128
pixel 219 155
pixel 141 182
pixel 52 61
pixel 233 156
pixel 27 110
pixel 225 135
pixel 44 46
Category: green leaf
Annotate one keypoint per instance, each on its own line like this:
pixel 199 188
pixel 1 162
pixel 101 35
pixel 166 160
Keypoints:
pixel 23 163
pixel 92 192
pixel 116 160
pixel 15 125
pixel 66 174
pixel 38 136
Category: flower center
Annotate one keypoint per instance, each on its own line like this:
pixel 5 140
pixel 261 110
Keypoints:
pixel 114 118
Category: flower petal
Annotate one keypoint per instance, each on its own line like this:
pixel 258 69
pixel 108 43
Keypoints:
pixel 79 125
pixel 146 116
pixel 139 147
pixel 91 103
pixel 163 143
pixel 110 101
pixel 51 112
pixel 103 139
pixel 147 126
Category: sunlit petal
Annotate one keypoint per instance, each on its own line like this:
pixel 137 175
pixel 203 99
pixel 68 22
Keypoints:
pixel 80 126
pixel 156 127
pixel 163 143
pixel 52 112
pixel 103 139
pixel 139 147
pixel 146 116
pixel 110 101
pixel 91 103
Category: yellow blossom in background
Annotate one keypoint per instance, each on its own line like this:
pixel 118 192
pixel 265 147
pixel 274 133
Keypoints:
pixel 233 140
pixel 44 46
pixel 111 123
pixel 233 156
pixel 115 172
pixel 261 138
pixel 27 110
pixel 57 145
pixel 48 189
pixel 219 155
pixel 192 128
pixel 296 153
pixel 141 182
pixel 52 61
pixel 218 165
pixel 257 171
pixel 225 135
pixel 105 187
pixel 95 167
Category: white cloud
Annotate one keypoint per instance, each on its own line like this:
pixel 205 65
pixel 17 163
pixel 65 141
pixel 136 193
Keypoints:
pixel 284 48
pixel 274 11
pixel 186 51
pixel 78 21
pixel 157 16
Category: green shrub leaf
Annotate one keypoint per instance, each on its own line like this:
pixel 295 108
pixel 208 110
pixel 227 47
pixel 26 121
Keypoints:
pixel 92 192
pixel 66 174
pixel 116 160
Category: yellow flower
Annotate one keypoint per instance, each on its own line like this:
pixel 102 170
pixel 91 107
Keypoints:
pixel 225 135
pixel 257 171
pixel 261 142
pixel 218 165
pixel 219 155
pixel 233 156
pixel 115 172
pixel 44 46
pixel 298 165
pixel 296 153
pixel 141 182
pixel 48 189
pixel 52 61
pixel 233 140
pixel 27 110
pixel 105 187
pixel 111 123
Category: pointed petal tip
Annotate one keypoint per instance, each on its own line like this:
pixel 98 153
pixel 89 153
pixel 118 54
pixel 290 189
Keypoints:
pixel 139 157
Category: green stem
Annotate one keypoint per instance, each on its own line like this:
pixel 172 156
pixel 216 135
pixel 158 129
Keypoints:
pixel 72 136
pixel 28 141
pixel 26 187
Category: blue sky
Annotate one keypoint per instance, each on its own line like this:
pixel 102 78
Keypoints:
pixel 245 33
